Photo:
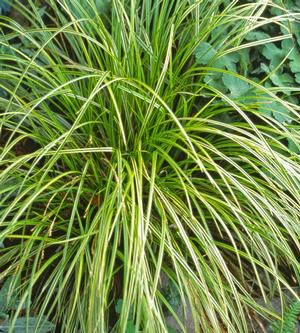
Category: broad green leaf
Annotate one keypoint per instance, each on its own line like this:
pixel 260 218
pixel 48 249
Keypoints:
pixel 118 307
pixel 244 60
pixel 3 93
pixel 293 27
pixel 102 5
pixel 31 324
pixel 4 7
pixel 293 146
pixel 297 77
pixel 224 117
pixel 265 68
pixel 4 50
pixel 279 79
pixel 3 316
pixel 295 64
pixel 292 5
pixel 42 11
pixel 214 81
pixel 8 298
pixel 236 86
pixel 228 61
pixel 268 84
pixel 5 295
pixel 274 109
pixel 266 111
pixel 287 45
pixel 219 33
pixel 265 104
pixel 204 53
pixel 256 35
pixel 292 99
pixel 130 328
pixel 172 295
pixel 294 56
pixel 280 113
pixel 9 185
pixel 273 53
pixel 296 30
pixel 275 11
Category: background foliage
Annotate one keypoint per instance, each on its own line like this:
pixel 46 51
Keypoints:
pixel 274 64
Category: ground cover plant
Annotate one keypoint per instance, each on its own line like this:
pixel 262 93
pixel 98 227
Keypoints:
pixel 272 64
pixel 290 319
pixel 133 145
pixel 9 301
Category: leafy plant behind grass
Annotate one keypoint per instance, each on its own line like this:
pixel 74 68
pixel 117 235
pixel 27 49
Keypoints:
pixel 274 62
pixel 8 302
pixel 132 170
pixel 289 319
pixel 4 7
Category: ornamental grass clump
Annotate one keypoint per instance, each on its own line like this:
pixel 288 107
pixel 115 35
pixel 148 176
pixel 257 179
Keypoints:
pixel 131 149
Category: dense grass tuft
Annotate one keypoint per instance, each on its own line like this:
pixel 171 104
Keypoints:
pixel 117 164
